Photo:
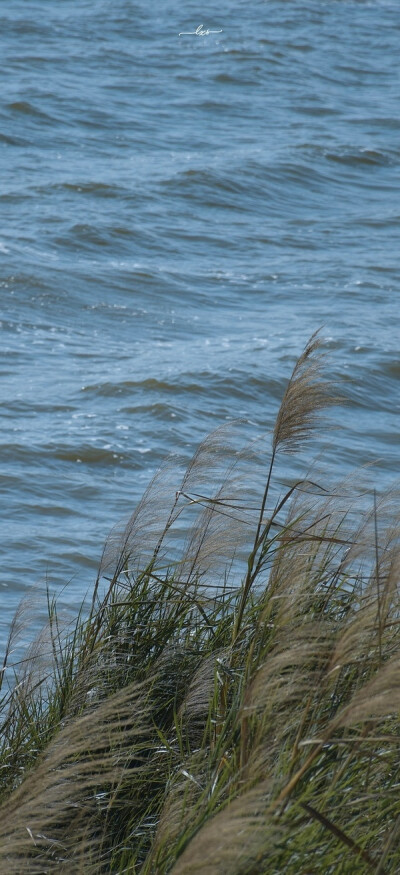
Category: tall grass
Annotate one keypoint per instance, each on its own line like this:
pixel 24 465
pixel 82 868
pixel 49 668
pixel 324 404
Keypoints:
pixel 230 701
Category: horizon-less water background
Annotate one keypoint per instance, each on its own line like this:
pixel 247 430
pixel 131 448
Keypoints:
pixel 178 215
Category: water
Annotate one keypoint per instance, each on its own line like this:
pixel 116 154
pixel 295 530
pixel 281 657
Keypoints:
pixel 179 214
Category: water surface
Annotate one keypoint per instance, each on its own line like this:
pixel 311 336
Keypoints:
pixel 179 214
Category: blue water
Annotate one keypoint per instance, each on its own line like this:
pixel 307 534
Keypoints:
pixel 179 214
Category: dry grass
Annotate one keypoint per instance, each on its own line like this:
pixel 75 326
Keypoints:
pixel 231 702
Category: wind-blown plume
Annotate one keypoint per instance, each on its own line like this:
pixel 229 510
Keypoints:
pixel 190 724
pixel 307 394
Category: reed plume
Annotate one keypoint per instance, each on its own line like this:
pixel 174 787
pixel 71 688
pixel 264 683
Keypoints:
pixel 229 702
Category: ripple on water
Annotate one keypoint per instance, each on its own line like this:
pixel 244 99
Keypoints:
pixel 181 216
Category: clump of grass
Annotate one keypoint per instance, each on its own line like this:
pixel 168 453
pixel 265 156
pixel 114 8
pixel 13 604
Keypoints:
pixel 226 706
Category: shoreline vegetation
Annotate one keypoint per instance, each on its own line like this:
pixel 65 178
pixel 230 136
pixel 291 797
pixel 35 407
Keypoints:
pixel 229 702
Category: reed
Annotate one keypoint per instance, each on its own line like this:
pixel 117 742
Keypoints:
pixel 229 703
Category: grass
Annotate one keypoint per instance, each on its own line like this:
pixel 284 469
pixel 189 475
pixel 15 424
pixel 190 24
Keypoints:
pixel 229 703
